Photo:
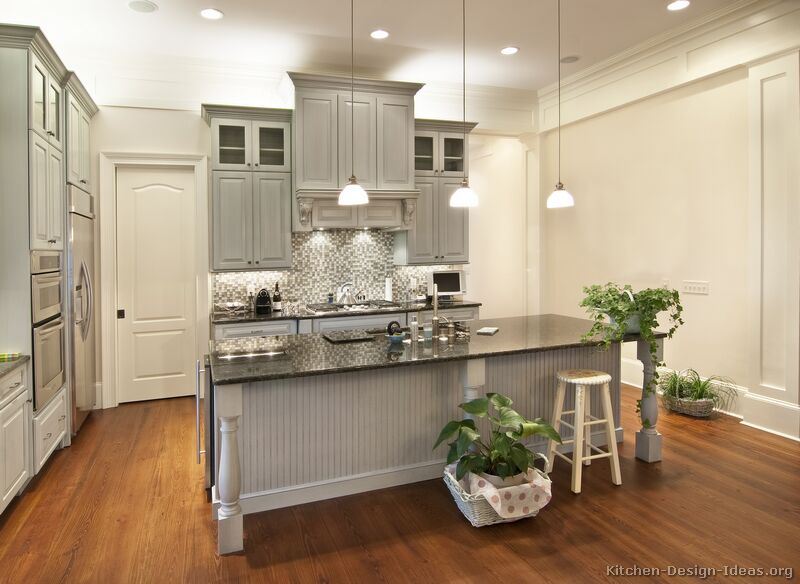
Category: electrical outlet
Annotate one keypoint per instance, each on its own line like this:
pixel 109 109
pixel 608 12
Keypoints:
pixel 665 282
pixel 696 287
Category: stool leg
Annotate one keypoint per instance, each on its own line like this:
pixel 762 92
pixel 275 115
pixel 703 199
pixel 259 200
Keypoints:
pixel 587 432
pixel 577 451
pixel 611 435
pixel 558 407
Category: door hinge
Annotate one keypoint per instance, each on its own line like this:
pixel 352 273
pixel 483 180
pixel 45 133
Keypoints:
pixel 121 313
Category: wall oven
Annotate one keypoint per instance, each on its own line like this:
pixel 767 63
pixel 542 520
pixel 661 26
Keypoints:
pixel 49 356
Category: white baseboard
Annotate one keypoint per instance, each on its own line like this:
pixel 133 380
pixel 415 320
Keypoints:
pixel 632 372
pixel 771 415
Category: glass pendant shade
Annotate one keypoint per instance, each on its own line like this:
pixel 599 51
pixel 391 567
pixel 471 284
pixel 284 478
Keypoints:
pixel 560 198
pixel 464 196
pixel 353 194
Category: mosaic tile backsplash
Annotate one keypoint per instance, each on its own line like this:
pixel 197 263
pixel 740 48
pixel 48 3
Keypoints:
pixel 323 260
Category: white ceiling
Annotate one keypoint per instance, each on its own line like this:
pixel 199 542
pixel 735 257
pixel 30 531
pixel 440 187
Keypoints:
pixel 313 35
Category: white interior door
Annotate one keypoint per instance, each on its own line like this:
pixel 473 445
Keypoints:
pixel 155 282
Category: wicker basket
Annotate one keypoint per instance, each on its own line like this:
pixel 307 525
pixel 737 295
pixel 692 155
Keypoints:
pixel 699 408
pixel 476 508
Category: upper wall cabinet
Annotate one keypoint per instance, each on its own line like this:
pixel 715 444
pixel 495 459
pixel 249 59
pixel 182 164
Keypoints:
pixel 439 148
pixel 369 133
pixel 80 109
pixel 262 142
pixel 46 194
pixel 46 103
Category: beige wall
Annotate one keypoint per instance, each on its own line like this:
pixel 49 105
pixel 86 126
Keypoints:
pixel 497 246
pixel 661 193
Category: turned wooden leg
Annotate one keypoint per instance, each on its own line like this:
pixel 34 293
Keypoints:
pixel 230 528
pixel 558 407
pixel 611 435
pixel 587 433
pixel 648 440
pixel 577 450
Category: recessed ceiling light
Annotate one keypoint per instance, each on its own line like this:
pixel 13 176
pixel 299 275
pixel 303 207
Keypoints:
pixel 142 6
pixel 570 59
pixel 379 34
pixel 211 13
pixel 678 5
pixel 509 50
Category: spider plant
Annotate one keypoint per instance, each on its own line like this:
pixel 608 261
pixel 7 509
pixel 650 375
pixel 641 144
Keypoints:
pixel 689 385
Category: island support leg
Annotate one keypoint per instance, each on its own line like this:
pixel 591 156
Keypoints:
pixel 230 528
pixel 648 440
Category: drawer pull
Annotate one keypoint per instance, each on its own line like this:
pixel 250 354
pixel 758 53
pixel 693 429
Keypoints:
pixel 62 417
pixel 46 436
pixel 16 385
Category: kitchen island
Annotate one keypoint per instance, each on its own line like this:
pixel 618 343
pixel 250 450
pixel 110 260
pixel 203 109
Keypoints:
pixel 298 419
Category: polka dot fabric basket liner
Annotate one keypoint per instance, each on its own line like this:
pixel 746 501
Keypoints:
pixel 484 504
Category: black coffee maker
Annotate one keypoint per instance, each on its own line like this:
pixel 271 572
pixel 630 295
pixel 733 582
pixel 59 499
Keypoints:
pixel 263 302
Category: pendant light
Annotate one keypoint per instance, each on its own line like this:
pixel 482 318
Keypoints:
pixel 560 197
pixel 464 196
pixel 353 193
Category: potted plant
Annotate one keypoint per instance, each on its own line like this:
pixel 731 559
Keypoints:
pixel 495 465
pixel 688 393
pixel 631 312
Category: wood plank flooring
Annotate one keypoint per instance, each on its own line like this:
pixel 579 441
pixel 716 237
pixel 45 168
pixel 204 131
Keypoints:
pixel 126 503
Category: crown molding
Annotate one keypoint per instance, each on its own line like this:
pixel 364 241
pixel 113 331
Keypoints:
pixel 361 84
pixel 425 125
pixel 32 37
pixel 209 111
pixel 742 32
pixel 73 84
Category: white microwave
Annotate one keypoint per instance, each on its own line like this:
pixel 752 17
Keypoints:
pixel 448 282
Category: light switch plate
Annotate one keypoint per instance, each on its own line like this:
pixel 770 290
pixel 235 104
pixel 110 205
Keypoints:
pixel 696 287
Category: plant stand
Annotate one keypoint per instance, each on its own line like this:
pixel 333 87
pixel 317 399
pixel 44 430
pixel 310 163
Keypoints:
pixel 648 440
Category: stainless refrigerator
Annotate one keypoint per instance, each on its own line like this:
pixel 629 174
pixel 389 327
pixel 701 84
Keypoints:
pixel 80 283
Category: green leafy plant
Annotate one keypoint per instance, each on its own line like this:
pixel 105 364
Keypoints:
pixel 689 385
pixel 503 455
pixel 622 305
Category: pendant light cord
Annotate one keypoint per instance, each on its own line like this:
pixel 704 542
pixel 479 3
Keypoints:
pixel 559 91
pixel 464 85
pixel 352 94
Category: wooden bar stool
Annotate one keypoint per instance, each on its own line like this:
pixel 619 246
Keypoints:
pixel 584 380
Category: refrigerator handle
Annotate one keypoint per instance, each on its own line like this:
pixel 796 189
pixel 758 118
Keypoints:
pixel 89 319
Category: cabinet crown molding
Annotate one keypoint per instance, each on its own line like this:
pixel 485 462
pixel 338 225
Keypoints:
pixel 209 111
pixel 73 84
pixel 425 125
pixel 362 85
pixel 32 37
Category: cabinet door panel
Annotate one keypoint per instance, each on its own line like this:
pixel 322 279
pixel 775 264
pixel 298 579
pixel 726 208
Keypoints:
pixel 380 214
pixel 426 153
pixel 74 147
pixel 423 245
pixel 453 226
pixel 232 220
pixel 230 144
pixel 315 128
pixel 38 97
pixel 452 155
pixel 85 152
pixel 55 198
pixel 13 448
pixel 329 214
pixel 38 169
pixel 272 146
pixel 55 107
pixel 365 135
pixel 272 237
pixel 395 142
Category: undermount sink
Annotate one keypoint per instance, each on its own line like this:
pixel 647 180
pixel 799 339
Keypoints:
pixel 325 308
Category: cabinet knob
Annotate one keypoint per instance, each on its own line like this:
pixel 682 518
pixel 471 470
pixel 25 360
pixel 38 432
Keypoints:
pixel 51 241
pixel 83 181
pixel 257 261
pixel 248 164
pixel 256 163
pixel 49 133
pixel 249 262
pixel 16 385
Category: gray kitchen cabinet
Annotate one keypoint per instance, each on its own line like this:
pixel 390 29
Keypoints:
pixel 255 329
pixel 440 234
pixel 316 139
pixel 263 145
pixel 251 220
pixel 46 103
pixel 272 149
pixel 328 214
pixel 364 161
pixel 272 227
pixel 460 314
pixel 232 220
pixel 426 153
pixel 395 142
pixel 366 322
pixel 46 191
pixel 78 153
pixel 231 144
pixel 15 435
pixel 380 214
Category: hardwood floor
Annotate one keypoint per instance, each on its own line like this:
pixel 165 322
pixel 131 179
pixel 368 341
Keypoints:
pixel 125 503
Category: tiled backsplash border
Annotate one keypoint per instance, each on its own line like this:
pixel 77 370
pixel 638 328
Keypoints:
pixel 323 260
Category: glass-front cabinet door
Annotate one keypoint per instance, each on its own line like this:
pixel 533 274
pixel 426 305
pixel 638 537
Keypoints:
pixel 426 148
pixel 54 109
pixel 271 146
pixel 38 95
pixel 231 144
pixel 452 155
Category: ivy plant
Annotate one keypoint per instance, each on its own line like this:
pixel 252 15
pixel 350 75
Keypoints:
pixel 620 303
pixel 503 454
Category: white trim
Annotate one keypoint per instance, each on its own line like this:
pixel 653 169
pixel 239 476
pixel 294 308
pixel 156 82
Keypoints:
pixel 109 163
pixel 632 372
pixel 771 415
pixel 740 33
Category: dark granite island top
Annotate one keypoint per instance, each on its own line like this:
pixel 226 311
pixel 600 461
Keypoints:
pixel 265 358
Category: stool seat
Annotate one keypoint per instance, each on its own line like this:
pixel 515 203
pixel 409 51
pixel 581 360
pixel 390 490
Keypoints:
pixel 583 376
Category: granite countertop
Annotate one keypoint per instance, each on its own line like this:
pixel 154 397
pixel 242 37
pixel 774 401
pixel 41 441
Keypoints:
pixel 9 366
pixel 300 313
pixel 311 354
